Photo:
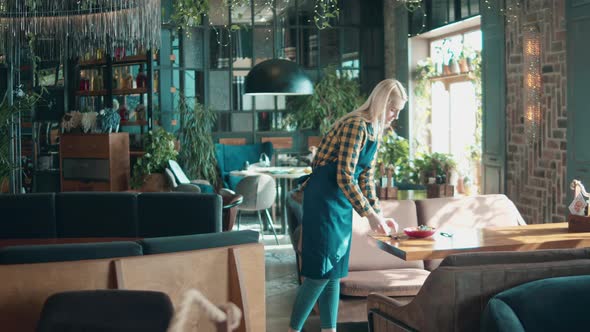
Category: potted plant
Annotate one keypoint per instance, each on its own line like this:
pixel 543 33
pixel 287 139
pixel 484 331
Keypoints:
pixel 434 170
pixel 159 147
pixel 197 155
pixel 334 95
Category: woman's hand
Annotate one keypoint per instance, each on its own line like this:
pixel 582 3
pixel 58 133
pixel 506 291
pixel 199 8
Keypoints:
pixel 382 225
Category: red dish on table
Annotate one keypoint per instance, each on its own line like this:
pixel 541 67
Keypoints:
pixel 419 233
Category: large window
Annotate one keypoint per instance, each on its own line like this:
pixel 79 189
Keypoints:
pixel 212 61
pixel 447 114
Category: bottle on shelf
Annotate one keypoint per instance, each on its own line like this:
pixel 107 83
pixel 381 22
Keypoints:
pixel 115 78
pixel 128 79
pixel 97 84
pixel 122 84
pixel 123 112
pixel 156 81
pixel 141 79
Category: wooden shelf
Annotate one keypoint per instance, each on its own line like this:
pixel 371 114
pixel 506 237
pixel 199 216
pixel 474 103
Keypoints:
pixel 136 91
pixel 126 123
pixel 116 92
pixel 136 153
pixel 91 93
pixel 452 78
pixel 131 60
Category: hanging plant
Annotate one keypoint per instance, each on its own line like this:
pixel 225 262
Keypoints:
pixel 189 13
pixel 324 12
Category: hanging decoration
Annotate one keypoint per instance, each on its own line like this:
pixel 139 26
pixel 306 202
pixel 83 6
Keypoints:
pixel 532 82
pixel 510 9
pixel 412 5
pixel 78 27
pixel 324 12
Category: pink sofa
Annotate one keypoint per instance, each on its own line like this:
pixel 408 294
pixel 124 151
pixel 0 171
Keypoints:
pixel 372 270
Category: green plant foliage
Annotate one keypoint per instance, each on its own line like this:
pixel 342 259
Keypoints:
pixel 394 150
pixel 433 165
pixel 197 153
pixel 159 148
pixel 189 13
pixel 335 95
pixel 23 102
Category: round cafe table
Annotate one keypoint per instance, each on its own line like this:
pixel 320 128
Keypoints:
pixel 283 176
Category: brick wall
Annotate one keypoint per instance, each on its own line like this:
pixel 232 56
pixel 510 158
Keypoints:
pixel 536 175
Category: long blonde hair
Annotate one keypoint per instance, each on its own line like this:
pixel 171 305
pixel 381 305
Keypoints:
pixel 374 110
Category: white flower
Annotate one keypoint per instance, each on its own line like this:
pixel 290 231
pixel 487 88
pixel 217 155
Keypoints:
pixel 71 120
pixel 88 121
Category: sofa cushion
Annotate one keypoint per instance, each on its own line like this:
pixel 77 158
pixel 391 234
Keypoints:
pixel 513 257
pixel 364 255
pixel 27 216
pixel 451 214
pixel 392 282
pixel 161 245
pixel 94 214
pixel 68 252
pixel 178 213
pixel 468 212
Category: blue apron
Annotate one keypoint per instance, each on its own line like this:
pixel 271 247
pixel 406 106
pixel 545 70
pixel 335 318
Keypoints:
pixel 327 220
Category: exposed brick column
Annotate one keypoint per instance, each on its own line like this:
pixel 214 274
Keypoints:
pixel 536 175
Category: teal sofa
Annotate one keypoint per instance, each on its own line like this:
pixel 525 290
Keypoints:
pixel 28 254
pixel 109 214
pixel 553 304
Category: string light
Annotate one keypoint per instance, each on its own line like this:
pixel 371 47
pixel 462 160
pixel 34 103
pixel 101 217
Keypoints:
pixel 532 82
pixel 510 11
pixel 324 11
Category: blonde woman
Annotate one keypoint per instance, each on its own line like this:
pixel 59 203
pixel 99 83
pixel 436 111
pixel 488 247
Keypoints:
pixel 342 180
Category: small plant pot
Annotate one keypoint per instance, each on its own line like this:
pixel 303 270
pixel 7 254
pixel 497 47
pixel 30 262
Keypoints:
pixel 463 65
pixel 155 182
pixel 454 67
pixel 446 70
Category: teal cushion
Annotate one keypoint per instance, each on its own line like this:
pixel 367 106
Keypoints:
pixel 68 252
pixel 162 245
pixel 232 158
pixel 206 188
pixel 27 216
pixel 553 304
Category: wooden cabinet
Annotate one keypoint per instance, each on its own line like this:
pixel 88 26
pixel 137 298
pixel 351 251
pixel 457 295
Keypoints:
pixel 94 162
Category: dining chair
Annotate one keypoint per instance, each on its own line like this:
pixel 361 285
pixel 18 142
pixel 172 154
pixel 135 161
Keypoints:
pixel 259 192
pixel 106 310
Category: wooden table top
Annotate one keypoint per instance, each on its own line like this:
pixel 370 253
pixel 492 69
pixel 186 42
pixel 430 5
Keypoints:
pixel 26 242
pixel 281 172
pixel 516 238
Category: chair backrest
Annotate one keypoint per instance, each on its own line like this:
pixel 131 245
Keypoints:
pixel 178 213
pixel 222 274
pixel 553 304
pixel 106 310
pixel 259 192
pixel 178 172
pixel 94 214
pixel 27 216
pixel 232 157
pixel 171 178
pixel 162 245
pixel 364 256
pixel 25 287
pixel 68 252
pixel 453 298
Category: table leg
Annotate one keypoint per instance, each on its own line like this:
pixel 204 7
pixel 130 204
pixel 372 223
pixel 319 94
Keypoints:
pixel 284 191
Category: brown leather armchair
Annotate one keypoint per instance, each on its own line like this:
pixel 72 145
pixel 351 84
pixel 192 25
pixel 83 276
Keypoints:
pixel 231 200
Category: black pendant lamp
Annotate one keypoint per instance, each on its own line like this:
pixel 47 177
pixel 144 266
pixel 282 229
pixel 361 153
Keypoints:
pixel 277 77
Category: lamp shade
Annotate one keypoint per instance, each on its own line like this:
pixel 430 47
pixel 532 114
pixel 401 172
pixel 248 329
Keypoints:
pixel 277 77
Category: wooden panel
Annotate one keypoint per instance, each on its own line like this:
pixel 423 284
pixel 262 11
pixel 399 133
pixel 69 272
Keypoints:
pixel 68 185
pixel 279 142
pixel 313 141
pixel 207 271
pixel 84 146
pixel 514 238
pixel 578 71
pixel 25 287
pixel 120 162
pixel 493 100
pixel 232 141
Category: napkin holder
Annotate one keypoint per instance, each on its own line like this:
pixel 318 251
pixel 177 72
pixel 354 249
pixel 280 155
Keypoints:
pixel 578 224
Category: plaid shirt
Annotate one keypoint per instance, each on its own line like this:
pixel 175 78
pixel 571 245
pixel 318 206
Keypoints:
pixel 343 145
